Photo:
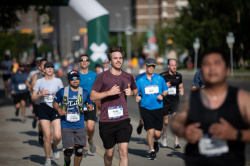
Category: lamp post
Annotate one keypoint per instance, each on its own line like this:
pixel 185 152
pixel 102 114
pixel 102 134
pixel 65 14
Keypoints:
pixel 196 46
pixel 230 41
pixel 119 35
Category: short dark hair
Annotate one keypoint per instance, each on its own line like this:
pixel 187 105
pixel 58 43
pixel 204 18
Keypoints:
pixel 42 61
pixel 218 51
pixel 170 60
pixel 82 56
pixel 115 49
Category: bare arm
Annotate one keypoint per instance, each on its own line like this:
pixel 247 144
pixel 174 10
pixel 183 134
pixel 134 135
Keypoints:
pixel 36 95
pixel 59 110
pixel 33 81
pixel 181 89
pixel 28 85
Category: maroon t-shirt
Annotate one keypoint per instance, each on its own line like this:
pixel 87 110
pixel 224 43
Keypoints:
pixel 104 82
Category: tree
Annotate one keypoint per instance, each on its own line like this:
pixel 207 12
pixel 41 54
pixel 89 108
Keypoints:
pixel 211 21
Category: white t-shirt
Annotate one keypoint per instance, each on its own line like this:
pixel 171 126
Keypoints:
pixel 31 74
pixel 51 85
pixel 7 64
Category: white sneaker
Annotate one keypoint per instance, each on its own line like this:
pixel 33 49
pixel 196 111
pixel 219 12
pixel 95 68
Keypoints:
pixel 47 162
pixel 164 141
pixel 56 153
pixel 177 145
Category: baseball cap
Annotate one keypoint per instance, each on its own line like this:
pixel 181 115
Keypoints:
pixel 73 73
pixel 150 61
pixel 48 64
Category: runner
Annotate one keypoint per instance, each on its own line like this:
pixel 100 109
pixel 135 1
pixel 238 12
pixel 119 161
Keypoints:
pixel 20 92
pixel 197 81
pixel 105 65
pixel 112 87
pixel 6 66
pixel 48 86
pixel 171 101
pixel 87 81
pixel 216 125
pixel 35 77
pixel 72 99
pixel 152 88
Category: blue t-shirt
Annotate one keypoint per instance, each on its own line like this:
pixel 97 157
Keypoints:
pixel 72 106
pixel 18 81
pixel 148 91
pixel 198 80
pixel 87 80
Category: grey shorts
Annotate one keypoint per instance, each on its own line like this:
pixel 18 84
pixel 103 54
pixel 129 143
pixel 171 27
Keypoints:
pixel 72 137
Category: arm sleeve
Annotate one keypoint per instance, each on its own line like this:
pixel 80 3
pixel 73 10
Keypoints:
pixel 58 97
pixel 11 83
pixel 97 86
pixel 164 85
pixel 195 80
pixel 36 86
pixel 133 85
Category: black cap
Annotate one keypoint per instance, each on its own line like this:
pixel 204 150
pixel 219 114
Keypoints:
pixel 150 61
pixel 73 73
pixel 48 64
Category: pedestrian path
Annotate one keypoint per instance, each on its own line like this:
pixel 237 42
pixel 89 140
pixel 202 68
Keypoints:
pixel 19 141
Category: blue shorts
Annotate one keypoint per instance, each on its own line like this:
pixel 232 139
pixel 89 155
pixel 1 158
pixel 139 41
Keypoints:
pixel 45 112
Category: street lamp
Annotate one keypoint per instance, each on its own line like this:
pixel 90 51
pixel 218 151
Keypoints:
pixel 196 46
pixel 230 41
pixel 119 35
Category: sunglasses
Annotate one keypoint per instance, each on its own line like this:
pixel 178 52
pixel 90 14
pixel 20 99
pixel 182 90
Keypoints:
pixel 84 60
pixel 74 78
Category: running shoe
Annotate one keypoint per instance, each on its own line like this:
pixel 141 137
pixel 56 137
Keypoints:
pixel 139 129
pixel 56 152
pixel 66 163
pixel 164 142
pixel 177 145
pixel 152 156
pixel 17 112
pixel 47 162
pixel 92 147
pixel 34 123
pixel 84 153
pixel 40 139
pixel 156 147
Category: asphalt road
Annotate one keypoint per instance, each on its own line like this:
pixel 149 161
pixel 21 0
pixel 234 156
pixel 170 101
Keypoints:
pixel 138 149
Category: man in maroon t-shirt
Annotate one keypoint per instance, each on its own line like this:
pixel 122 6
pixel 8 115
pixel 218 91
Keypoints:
pixel 112 87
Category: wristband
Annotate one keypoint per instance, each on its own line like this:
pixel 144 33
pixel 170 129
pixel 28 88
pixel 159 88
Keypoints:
pixel 239 136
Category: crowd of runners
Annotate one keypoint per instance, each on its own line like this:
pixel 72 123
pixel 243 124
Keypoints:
pixel 215 123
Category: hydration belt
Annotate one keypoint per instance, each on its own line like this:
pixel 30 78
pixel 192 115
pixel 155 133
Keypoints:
pixel 80 104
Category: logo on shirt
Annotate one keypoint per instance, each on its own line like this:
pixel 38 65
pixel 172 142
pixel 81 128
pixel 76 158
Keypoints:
pixel 177 77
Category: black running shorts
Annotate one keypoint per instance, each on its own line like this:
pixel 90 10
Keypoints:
pixel 6 77
pixel 35 109
pixel 112 133
pixel 153 119
pixel 90 115
pixel 170 108
pixel 21 96
pixel 45 112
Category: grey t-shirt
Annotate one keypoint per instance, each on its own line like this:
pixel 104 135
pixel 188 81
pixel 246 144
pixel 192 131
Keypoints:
pixel 51 85
pixel 31 74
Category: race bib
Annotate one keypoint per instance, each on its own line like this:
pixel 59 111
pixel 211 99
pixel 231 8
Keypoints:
pixel 210 147
pixel 151 89
pixel 72 116
pixel 172 90
pixel 115 112
pixel 21 86
pixel 48 99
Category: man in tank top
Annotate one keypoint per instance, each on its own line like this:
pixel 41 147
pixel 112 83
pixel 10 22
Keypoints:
pixel 216 124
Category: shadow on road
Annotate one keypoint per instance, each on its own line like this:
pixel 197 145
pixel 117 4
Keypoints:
pixel 14 120
pixel 139 140
pixel 32 143
pixel 30 133
pixel 138 152
pixel 176 154
pixel 39 159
